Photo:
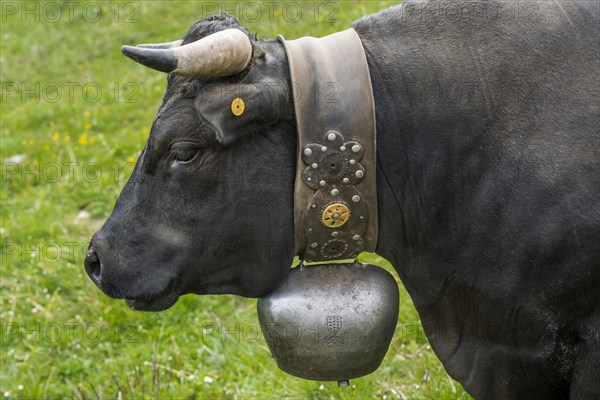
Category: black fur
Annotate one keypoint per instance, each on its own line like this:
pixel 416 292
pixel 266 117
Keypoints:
pixel 489 179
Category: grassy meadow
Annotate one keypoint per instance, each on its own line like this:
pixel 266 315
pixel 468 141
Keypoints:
pixel 74 116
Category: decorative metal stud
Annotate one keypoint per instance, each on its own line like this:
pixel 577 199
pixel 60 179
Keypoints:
pixel 356 198
pixel 307 152
pixel 335 192
pixel 356 238
pixel 335 234
pixel 343 148
pixel 355 148
pixel 314 245
pixel 352 161
pixel 315 166
pixel 359 174
pixel 331 137
pixel 322 183
pixel 362 217
pixel 309 179
pixel 314 206
pixel 346 180
pixel 323 148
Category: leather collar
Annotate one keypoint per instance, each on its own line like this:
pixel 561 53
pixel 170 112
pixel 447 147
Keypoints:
pixel 335 199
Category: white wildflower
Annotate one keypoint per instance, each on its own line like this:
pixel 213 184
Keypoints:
pixel 17 158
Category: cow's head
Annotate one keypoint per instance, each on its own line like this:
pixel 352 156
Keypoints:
pixel 208 208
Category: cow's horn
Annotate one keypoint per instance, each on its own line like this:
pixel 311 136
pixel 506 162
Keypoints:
pixel 223 53
pixel 167 45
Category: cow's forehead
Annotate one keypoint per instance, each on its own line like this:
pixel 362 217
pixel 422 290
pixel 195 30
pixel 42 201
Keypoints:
pixel 177 119
pixel 181 88
pixel 178 92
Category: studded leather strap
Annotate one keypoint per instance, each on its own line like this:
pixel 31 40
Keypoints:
pixel 335 201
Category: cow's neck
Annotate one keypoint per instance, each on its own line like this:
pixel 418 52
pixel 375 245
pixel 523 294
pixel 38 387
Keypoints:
pixel 427 156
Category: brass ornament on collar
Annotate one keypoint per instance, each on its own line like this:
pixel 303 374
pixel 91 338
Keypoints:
pixel 335 215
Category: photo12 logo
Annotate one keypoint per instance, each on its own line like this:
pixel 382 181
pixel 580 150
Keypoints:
pixel 51 252
pixel 65 172
pixel 69 11
pixel 75 331
pixel 71 92
pixel 271 11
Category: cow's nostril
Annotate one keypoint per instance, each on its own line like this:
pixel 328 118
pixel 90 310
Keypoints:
pixel 93 266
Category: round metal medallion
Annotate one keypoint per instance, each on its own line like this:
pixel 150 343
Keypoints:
pixel 335 215
pixel 333 166
pixel 334 248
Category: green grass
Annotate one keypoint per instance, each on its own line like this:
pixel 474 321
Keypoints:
pixel 65 161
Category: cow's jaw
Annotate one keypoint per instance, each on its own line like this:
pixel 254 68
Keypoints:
pixel 157 302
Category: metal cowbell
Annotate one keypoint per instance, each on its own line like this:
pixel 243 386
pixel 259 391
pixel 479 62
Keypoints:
pixel 330 322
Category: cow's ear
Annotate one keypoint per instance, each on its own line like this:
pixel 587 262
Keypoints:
pixel 237 110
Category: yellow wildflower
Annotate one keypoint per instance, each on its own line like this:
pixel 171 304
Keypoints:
pixel 46 147
pixel 101 136
pixel 93 140
pixel 88 126
pixel 130 159
pixel 56 136
pixel 83 139
pixel 67 138
pixel 87 113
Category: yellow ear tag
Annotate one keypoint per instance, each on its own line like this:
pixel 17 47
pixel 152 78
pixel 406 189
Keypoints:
pixel 237 106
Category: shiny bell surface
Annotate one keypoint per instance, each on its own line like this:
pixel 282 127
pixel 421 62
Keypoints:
pixel 330 322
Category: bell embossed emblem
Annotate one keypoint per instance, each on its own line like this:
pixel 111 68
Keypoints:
pixel 330 322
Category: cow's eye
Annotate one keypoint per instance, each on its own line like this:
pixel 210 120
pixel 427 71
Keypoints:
pixel 184 152
pixel 184 155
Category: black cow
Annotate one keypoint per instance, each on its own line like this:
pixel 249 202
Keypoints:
pixel 488 178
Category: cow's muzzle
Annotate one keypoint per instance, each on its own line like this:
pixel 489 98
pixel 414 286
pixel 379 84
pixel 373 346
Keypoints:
pixel 106 268
pixel 100 264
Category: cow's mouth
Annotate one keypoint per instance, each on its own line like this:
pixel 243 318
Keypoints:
pixel 156 302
